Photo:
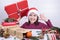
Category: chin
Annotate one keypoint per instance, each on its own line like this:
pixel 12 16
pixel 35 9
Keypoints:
pixel 32 21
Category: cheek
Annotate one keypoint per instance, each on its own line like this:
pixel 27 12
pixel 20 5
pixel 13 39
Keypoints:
pixel 29 18
pixel 35 18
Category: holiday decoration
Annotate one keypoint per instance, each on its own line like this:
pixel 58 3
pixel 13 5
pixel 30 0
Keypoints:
pixel 17 10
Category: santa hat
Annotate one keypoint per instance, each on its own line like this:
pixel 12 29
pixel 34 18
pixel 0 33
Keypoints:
pixel 34 10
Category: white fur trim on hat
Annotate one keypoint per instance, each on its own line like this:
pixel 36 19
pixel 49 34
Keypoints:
pixel 34 11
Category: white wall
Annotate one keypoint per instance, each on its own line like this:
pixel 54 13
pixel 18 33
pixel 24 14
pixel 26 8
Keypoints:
pixel 50 8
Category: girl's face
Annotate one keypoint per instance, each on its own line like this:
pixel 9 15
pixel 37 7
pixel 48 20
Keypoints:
pixel 32 17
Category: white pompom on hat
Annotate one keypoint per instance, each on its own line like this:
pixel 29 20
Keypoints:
pixel 34 10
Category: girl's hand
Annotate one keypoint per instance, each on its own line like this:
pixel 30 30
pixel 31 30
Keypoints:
pixel 42 17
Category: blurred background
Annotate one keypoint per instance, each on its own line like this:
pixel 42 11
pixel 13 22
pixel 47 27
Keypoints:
pixel 51 9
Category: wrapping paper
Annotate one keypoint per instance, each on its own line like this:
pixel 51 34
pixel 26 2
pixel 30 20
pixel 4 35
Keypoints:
pixel 17 10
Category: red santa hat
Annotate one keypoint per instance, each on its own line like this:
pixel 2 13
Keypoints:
pixel 34 10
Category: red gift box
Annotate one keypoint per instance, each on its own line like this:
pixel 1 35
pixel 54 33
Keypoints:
pixel 17 9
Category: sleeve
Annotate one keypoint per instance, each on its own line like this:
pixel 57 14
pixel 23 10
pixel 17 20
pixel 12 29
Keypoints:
pixel 47 25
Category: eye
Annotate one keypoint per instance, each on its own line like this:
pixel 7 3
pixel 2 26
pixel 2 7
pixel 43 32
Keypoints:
pixel 35 15
pixel 30 15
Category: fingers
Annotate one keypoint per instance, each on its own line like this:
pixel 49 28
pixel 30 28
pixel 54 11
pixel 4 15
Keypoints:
pixel 42 17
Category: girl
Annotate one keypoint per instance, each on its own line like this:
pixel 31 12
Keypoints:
pixel 33 20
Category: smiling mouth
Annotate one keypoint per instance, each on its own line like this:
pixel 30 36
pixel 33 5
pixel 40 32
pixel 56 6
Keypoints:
pixel 32 19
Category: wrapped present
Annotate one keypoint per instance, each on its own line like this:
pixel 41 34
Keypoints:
pixel 17 10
